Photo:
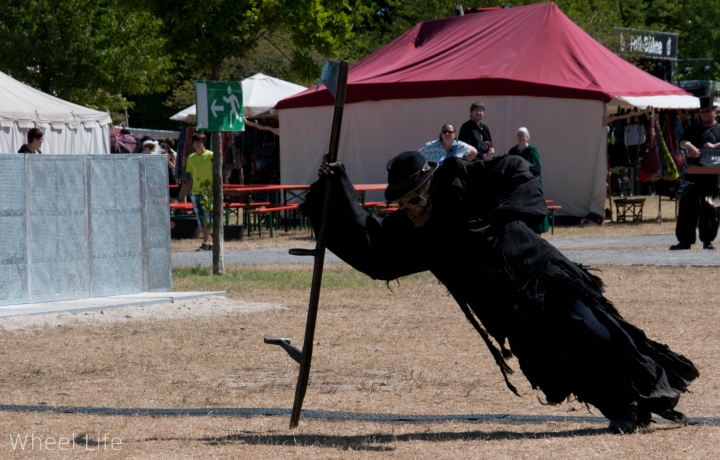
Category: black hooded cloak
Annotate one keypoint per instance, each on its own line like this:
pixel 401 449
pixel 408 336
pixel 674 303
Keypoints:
pixel 568 338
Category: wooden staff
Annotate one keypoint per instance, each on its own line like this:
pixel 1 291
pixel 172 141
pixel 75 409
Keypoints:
pixel 319 252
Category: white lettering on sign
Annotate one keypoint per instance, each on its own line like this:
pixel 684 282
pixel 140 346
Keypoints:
pixel 648 44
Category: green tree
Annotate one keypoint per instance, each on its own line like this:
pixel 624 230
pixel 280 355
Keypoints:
pixel 696 23
pixel 207 33
pixel 91 53
pixel 377 22
pixel 272 55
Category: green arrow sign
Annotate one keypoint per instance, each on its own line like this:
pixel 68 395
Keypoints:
pixel 219 106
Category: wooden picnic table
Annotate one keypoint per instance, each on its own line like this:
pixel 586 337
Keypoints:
pixel 370 187
pixel 242 193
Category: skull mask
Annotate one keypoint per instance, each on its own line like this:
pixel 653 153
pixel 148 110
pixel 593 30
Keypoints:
pixel 417 205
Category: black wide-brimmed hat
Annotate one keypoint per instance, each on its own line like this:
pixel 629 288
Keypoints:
pixel 707 102
pixel 406 173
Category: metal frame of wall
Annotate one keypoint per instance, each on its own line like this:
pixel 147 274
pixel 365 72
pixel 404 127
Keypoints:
pixel 81 226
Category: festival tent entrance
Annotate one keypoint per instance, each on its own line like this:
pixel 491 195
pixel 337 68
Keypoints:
pixel 531 66
pixel 260 94
pixel 69 128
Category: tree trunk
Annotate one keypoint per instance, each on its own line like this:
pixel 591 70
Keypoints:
pixel 218 237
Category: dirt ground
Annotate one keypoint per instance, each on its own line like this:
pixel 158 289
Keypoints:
pixel 404 351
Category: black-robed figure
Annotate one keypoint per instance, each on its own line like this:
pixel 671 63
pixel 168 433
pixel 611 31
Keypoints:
pixel 466 222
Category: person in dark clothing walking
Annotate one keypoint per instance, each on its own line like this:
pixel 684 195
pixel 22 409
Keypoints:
pixel 466 222
pixel 695 211
pixel 34 141
pixel 474 133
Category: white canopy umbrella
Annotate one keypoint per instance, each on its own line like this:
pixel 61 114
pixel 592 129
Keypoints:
pixel 260 94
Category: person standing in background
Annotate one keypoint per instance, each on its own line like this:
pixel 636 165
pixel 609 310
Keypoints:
pixel 474 133
pixel 167 149
pixel 198 173
pixel 35 141
pixel 529 153
pixel 695 211
pixel 148 147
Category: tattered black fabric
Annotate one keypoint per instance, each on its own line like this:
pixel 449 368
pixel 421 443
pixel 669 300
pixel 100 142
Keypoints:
pixel 568 338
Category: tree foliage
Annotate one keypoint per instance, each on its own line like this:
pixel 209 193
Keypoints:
pixel 271 55
pixel 696 23
pixel 205 34
pixel 102 53
pixel 91 53
pixel 377 22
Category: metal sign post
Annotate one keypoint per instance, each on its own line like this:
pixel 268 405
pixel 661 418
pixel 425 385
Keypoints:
pixel 219 107
pixel 334 77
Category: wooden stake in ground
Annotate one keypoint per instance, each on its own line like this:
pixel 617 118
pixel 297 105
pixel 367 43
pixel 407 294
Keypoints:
pixel 335 79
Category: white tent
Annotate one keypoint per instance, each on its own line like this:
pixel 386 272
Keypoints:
pixel 260 94
pixel 69 128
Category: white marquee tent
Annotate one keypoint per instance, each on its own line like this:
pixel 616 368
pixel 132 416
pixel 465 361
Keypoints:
pixel 260 94
pixel 69 128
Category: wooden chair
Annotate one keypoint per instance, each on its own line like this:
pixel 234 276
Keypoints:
pixel 629 208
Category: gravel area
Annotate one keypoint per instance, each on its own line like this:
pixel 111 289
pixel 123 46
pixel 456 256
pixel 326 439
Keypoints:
pixel 599 242
pixel 646 257
pixel 248 257
pixel 566 246
pixel 612 241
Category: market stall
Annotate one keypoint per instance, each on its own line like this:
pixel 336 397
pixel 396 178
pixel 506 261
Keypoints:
pixel 252 155
pixel 552 78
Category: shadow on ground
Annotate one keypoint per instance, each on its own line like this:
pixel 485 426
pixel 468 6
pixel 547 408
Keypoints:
pixel 380 442
pixel 328 416
pixel 384 442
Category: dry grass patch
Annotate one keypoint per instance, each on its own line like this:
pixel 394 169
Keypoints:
pixel 666 227
pixel 269 438
pixel 408 351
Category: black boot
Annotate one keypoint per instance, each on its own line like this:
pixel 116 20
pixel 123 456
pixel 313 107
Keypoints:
pixel 679 247
pixel 624 420
pixel 675 416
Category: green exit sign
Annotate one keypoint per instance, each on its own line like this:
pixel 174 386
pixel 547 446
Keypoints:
pixel 219 106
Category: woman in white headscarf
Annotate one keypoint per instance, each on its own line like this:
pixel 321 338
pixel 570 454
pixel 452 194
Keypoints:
pixel 148 147
pixel 529 153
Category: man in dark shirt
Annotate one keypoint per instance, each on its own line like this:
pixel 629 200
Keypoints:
pixel 475 133
pixel 695 211
pixel 35 141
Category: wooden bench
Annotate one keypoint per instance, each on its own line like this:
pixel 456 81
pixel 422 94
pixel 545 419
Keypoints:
pixel 230 208
pixel 234 208
pixel 551 215
pixel 629 208
pixel 184 207
pixel 381 206
pixel 374 204
pixel 265 215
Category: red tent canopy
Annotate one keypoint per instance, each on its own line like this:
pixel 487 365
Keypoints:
pixel 531 50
